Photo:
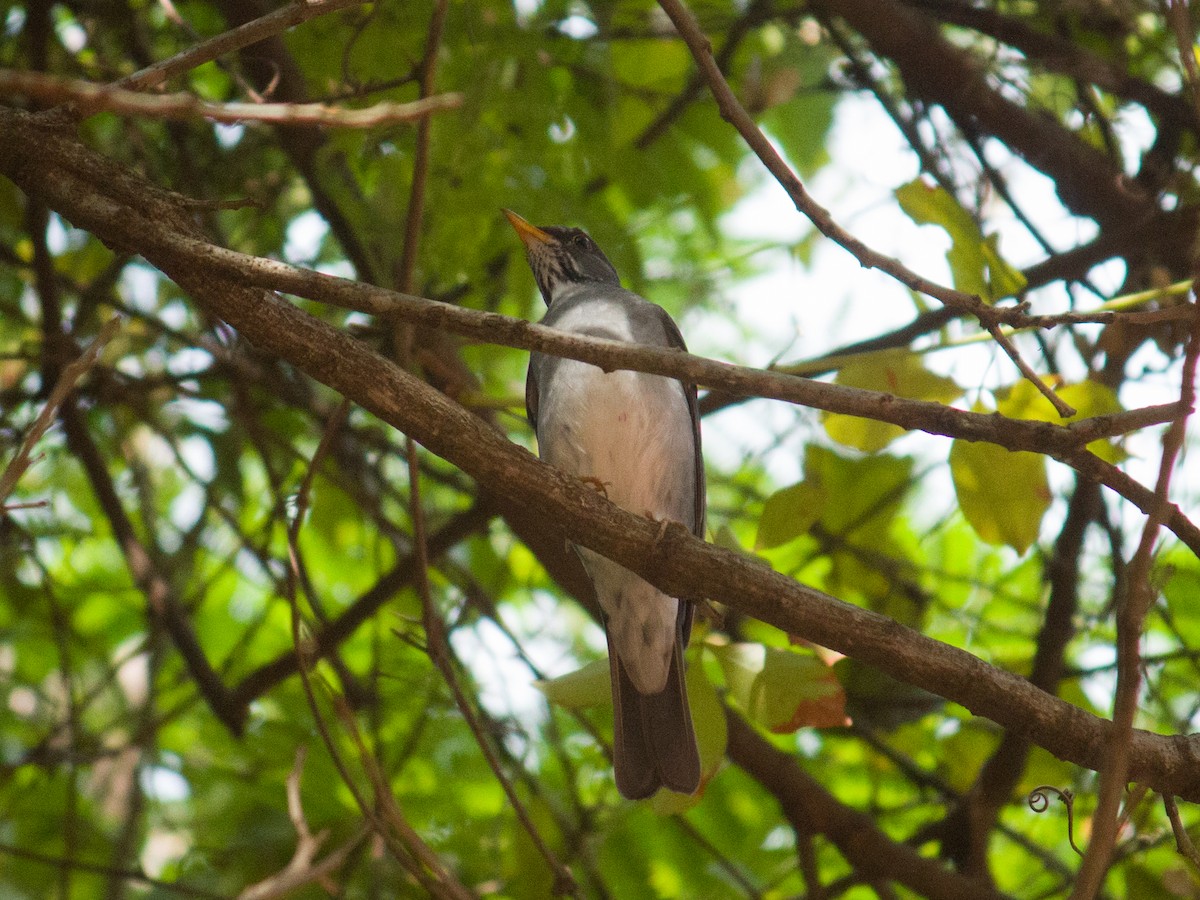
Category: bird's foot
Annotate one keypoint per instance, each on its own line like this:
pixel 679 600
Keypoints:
pixel 663 525
pixel 601 486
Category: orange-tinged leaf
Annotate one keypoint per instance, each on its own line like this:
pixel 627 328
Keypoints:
pixel 794 690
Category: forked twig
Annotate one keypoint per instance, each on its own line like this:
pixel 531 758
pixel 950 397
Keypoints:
pixel 733 112
pixel 303 867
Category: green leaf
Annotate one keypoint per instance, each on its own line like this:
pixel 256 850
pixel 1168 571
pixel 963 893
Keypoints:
pixel 1002 494
pixel 651 63
pixel 789 513
pixel 975 261
pixel 708 718
pixel 1004 279
pixel 897 372
pixel 1089 398
pixel 866 492
pixel 776 87
pixel 530 875
pixel 588 686
pixel 1022 400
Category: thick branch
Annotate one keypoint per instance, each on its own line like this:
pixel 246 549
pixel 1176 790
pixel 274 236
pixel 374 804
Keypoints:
pixel 1062 55
pixel 811 808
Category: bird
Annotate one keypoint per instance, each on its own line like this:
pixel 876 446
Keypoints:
pixel 636 438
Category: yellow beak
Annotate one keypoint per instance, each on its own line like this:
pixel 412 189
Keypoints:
pixel 527 232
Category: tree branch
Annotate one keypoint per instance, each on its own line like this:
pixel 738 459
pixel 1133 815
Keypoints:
pixel 260 29
pixel 90 98
pixel 811 808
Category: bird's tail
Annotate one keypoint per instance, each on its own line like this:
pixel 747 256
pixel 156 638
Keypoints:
pixel 654 744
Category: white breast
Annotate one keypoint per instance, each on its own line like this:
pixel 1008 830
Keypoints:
pixel 629 430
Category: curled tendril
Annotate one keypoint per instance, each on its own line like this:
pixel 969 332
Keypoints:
pixel 1039 801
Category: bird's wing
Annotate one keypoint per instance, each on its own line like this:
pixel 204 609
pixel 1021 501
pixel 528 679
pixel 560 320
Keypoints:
pixel 531 392
pixel 675 339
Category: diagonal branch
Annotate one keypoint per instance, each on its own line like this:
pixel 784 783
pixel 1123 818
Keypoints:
pixel 1060 442
pixel 325 641
pixel 938 72
pixel 245 35
pixel 811 808
pixel 71 373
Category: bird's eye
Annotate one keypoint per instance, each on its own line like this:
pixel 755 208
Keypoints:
pixel 580 240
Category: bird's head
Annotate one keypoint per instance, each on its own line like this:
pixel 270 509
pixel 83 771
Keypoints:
pixel 561 257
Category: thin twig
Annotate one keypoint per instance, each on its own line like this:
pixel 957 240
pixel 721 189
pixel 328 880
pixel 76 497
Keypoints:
pixel 299 642
pixel 734 113
pixel 1059 442
pixel 1131 615
pixel 1063 408
pixel 416 202
pixel 1183 841
pixel 62 387
pixel 494 328
pixel 405 845
pixel 235 39
pixel 91 98
pixel 438 647
pixel 100 869
pixel 1179 17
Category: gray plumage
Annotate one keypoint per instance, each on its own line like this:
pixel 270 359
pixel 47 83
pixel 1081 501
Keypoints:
pixel 637 436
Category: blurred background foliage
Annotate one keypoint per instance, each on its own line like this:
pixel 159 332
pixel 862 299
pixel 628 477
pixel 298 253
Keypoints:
pixel 122 775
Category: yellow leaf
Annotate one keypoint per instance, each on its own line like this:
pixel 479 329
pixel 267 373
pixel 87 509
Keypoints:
pixel 1002 494
pixel 897 372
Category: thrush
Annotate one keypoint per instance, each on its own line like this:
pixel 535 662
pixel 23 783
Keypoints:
pixel 637 438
